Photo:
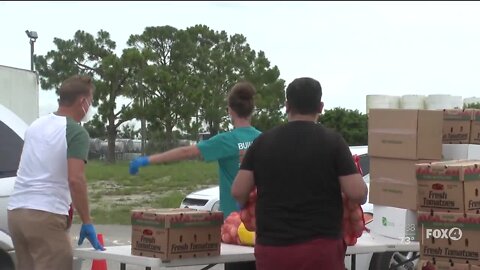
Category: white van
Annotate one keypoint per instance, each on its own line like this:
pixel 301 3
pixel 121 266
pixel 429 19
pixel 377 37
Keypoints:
pixel 12 130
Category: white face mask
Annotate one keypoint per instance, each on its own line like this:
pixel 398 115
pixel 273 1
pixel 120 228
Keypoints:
pixel 88 114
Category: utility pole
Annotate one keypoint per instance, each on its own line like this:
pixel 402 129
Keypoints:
pixel 33 37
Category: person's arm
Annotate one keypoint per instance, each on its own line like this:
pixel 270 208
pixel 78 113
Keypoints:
pixel 214 148
pixel 242 186
pixel 77 154
pixel 180 153
pixel 354 188
pixel 176 154
pixel 78 188
pixel 351 182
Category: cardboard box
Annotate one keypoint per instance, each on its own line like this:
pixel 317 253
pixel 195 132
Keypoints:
pixel 394 194
pixel 425 264
pixel 471 188
pixel 395 223
pixel 450 186
pixel 450 236
pixel 456 126
pixel 440 186
pixel 394 170
pixel 475 127
pixel 460 151
pixel 405 134
pixel 171 234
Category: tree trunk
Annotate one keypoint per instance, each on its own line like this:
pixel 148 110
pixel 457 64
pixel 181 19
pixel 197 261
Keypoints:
pixel 111 136
pixel 213 128
pixel 144 136
pixel 169 136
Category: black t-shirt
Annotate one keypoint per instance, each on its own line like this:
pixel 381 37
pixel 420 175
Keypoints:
pixel 296 168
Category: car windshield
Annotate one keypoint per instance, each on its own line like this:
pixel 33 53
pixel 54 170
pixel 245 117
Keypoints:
pixel 10 151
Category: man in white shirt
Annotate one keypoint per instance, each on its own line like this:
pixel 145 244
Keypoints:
pixel 51 177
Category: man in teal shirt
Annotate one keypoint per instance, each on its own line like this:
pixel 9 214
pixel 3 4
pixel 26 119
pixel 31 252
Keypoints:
pixel 227 148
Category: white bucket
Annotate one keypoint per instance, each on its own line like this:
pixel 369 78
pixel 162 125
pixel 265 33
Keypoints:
pixel 395 102
pixel 457 102
pixel 382 102
pixel 439 102
pixel 416 102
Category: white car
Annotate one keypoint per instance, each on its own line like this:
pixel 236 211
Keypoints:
pixel 209 199
pixel 12 130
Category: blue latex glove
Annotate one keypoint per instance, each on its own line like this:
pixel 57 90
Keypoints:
pixel 137 163
pixel 89 232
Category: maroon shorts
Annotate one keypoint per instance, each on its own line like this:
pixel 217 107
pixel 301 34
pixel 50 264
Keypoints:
pixel 321 253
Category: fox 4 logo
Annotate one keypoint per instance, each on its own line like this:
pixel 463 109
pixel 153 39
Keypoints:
pixel 452 233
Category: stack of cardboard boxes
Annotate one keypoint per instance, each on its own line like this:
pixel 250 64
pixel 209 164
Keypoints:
pixel 461 134
pixel 397 140
pixel 448 206
pixel 448 198
pixel 428 160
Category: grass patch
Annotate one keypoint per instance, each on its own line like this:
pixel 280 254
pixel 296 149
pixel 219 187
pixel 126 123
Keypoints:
pixel 113 192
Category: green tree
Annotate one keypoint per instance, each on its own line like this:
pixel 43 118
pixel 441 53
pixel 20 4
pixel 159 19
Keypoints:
pixel 213 66
pixel 127 131
pixel 222 60
pixel 352 124
pixel 96 128
pixel 95 56
pixel 166 76
pixel 270 96
pixel 472 106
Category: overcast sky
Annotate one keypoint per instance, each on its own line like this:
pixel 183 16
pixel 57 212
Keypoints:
pixel 353 48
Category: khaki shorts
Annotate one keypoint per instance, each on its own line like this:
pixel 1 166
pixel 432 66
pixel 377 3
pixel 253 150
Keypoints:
pixel 41 240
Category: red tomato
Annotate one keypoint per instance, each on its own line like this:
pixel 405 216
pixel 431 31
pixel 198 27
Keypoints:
pixel 226 238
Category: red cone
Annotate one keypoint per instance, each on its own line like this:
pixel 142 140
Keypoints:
pixel 99 264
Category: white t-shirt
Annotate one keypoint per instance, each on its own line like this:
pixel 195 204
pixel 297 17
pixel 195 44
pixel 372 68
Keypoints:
pixel 42 176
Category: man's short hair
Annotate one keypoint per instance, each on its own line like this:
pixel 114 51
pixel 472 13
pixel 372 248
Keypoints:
pixel 304 95
pixel 74 87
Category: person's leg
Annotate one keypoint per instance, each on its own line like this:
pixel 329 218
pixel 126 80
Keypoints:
pixel 49 242
pixel 16 223
pixel 318 254
pixel 331 253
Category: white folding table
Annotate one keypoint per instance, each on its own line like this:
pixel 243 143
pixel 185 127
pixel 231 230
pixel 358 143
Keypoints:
pixel 368 243
pixel 122 254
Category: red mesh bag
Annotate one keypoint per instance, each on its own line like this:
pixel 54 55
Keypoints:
pixel 353 223
pixel 229 230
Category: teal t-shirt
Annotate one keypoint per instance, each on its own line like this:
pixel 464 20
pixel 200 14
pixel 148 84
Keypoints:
pixel 228 149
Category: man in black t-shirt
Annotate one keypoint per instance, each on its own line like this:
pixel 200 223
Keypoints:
pixel 300 170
